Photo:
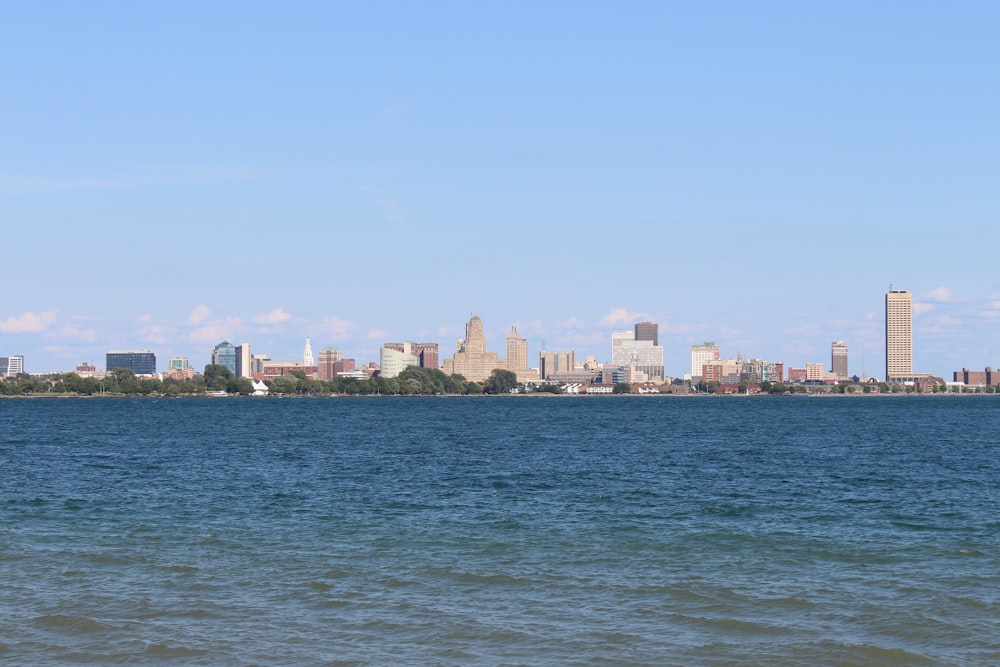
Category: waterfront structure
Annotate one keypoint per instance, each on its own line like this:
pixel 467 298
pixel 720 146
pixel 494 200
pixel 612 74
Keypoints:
pixel 244 361
pixel 307 354
pixel 701 355
pixel 648 331
pixel 140 362
pixel 642 356
pixel 898 336
pixel 987 378
pixel 11 366
pixel 393 361
pixel 472 360
pixel 224 354
pixel 838 359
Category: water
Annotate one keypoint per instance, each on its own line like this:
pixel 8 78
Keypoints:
pixel 563 530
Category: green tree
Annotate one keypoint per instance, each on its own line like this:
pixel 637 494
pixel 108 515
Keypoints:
pixel 500 382
pixel 621 388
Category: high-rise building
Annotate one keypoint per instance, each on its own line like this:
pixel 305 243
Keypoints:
pixel 648 331
pixel 898 335
pixel 838 359
pixel 471 359
pixel 307 354
pixel 140 362
pixel 244 361
pixel 178 364
pixel 640 355
pixel 328 358
pixel 224 354
pixel 701 355
pixel 517 352
pixel 551 363
pixel 11 366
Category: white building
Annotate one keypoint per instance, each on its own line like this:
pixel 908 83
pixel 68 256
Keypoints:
pixel 392 362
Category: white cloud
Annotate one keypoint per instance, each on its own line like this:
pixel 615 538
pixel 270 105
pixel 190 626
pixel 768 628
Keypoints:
pixel 158 334
pixel 377 334
pixel 941 294
pixel 339 328
pixel 72 333
pixel 199 314
pixel 28 322
pixel 622 316
pixel 216 332
pixel 921 308
pixel 276 316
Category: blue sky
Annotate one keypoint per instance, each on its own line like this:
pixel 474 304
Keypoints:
pixel 176 174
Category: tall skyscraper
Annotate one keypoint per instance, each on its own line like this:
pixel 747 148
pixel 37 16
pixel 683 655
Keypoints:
pixel 640 355
pixel 517 352
pixel 224 354
pixel 307 354
pixel 701 355
pixel 471 359
pixel 838 359
pixel 898 335
pixel 648 331
pixel 244 361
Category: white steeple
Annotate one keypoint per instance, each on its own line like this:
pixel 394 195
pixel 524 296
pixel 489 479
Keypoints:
pixel 307 355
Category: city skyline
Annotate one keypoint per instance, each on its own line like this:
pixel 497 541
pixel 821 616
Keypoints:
pixel 751 175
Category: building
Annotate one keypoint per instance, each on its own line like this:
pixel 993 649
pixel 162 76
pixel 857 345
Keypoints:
pixel 898 336
pixel 472 361
pixel 838 359
pixel 224 354
pixel 328 358
pixel 11 366
pixel 517 357
pixel 551 363
pixel 517 352
pixel 645 358
pixel 701 355
pixel 393 361
pixel 756 371
pixel 244 361
pixel 987 378
pixel 722 371
pixel 648 331
pixel 140 362
pixel 427 353
pixel 276 368
pixel 307 354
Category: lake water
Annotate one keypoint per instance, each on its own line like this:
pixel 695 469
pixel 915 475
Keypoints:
pixel 452 531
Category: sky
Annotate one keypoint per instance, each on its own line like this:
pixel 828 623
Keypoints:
pixel 757 174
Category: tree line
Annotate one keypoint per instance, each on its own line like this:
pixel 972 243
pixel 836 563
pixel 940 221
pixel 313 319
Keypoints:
pixel 123 382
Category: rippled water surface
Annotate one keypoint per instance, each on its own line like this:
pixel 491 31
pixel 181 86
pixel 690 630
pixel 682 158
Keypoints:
pixel 587 531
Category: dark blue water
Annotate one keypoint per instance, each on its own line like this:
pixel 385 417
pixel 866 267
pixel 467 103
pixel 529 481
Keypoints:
pixel 563 530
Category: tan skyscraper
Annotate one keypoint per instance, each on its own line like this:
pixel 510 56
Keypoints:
pixel 517 352
pixel 471 359
pixel 898 335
